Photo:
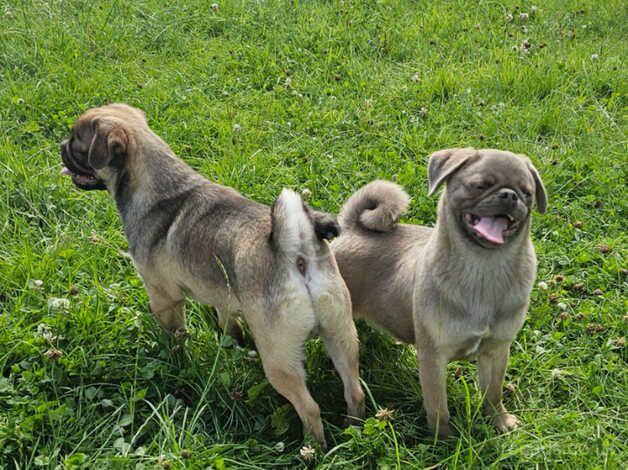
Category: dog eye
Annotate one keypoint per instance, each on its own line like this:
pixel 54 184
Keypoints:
pixel 526 193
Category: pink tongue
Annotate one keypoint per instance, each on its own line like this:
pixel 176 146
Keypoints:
pixel 492 228
pixel 66 171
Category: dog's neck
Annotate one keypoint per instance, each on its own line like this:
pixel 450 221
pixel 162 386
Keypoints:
pixel 135 185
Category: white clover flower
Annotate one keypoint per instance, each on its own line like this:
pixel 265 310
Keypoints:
pixel 557 373
pixel 45 332
pixel 562 305
pixel 542 285
pixel 595 57
pixel 236 127
pixel 308 453
pixel 58 303
pixel 524 16
pixel 214 6
pixel 415 78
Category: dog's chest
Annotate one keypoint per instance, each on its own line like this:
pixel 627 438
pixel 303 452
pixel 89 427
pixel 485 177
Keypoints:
pixel 478 306
pixel 470 346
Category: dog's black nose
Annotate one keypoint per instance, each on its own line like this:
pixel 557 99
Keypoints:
pixel 507 194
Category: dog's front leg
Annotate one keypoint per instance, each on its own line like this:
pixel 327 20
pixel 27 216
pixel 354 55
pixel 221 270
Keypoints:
pixel 168 309
pixel 230 325
pixel 492 362
pixel 433 376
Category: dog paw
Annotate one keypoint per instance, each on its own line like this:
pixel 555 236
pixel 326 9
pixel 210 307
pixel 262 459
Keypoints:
pixel 444 431
pixel 505 422
pixel 237 333
pixel 352 421
pixel 181 333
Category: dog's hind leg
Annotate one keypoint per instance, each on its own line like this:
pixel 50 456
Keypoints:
pixel 338 332
pixel 343 350
pixel 283 365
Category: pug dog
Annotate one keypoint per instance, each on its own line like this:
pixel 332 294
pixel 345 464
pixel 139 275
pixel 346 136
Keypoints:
pixel 456 290
pixel 190 236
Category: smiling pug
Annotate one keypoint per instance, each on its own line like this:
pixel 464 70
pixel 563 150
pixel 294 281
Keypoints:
pixel 458 289
pixel 272 266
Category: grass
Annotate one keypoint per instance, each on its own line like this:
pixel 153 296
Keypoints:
pixel 325 96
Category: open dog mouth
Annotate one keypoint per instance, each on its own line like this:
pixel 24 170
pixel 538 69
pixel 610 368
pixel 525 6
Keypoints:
pixel 79 178
pixel 491 228
pixel 81 175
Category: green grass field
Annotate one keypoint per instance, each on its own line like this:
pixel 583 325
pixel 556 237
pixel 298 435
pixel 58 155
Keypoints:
pixel 323 95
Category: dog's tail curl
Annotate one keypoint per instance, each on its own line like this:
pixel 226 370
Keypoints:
pixel 295 226
pixel 376 206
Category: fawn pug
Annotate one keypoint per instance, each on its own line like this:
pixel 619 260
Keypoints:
pixel 455 290
pixel 187 235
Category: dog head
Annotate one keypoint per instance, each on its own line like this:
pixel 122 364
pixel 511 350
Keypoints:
pixel 100 142
pixel 490 193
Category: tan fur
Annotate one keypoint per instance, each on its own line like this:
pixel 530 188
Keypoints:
pixel 366 208
pixel 451 293
pixel 190 236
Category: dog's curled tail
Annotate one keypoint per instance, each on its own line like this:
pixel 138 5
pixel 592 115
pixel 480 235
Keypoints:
pixel 376 206
pixel 295 225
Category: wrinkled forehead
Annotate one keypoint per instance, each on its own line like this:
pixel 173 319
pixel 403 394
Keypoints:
pixel 111 114
pixel 500 165
pixel 82 126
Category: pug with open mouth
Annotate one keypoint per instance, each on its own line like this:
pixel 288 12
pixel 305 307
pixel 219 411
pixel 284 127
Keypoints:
pixel 187 235
pixel 459 289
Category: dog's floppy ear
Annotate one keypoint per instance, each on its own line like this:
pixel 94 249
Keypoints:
pixel 106 144
pixel 444 163
pixel 540 195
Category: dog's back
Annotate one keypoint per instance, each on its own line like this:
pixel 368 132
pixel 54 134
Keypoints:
pixel 370 252
pixel 223 247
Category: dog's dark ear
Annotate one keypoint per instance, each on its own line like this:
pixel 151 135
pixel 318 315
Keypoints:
pixel 540 195
pixel 106 144
pixel 325 225
pixel 445 163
